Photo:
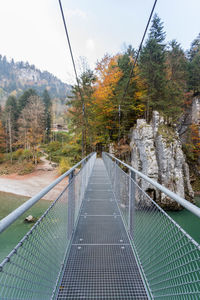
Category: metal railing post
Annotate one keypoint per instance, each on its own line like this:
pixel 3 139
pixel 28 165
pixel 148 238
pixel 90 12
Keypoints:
pixel 71 206
pixel 131 203
pixel 116 175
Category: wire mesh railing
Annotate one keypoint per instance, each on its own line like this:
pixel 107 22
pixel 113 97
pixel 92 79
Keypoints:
pixel 169 258
pixel 32 269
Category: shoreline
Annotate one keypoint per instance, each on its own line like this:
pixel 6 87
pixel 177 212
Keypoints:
pixel 31 184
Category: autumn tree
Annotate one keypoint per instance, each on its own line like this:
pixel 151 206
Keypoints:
pixel 106 105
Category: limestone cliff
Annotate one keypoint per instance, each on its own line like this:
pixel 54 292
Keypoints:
pixel 157 152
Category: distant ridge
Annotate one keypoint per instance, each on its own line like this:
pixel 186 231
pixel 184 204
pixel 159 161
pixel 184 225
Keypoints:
pixel 15 77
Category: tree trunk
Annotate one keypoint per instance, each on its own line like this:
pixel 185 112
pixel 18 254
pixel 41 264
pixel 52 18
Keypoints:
pixel 10 137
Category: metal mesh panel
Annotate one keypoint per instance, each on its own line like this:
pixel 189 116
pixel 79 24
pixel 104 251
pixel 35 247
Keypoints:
pixel 32 269
pixel 102 272
pixel 101 230
pixel 100 208
pixel 169 257
pixel 101 263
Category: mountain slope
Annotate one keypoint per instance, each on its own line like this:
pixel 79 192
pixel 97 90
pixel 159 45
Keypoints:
pixel 20 76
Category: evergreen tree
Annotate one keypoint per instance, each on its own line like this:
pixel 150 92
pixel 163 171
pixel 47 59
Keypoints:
pixel 177 79
pixel 11 108
pixel 10 120
pixel 24 99
pixel 129 104
pixel 153 67
pixel 80 123
pixel 48 116
pixel 2 139
pixel 194 66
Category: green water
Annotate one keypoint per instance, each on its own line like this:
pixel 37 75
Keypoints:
pixel 10 237
pixel 189 222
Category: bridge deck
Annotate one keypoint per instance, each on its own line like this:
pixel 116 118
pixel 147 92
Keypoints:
pixel 101 263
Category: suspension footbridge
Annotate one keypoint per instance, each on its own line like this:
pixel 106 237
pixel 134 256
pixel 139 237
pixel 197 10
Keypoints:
pixel 102 238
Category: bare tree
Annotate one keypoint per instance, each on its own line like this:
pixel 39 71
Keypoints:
pixel 32 125
pixel 10 132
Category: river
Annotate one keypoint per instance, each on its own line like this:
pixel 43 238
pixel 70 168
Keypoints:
pixel 9 238
pixel 189 222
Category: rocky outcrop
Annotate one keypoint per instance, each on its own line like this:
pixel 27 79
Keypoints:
pixel 157 153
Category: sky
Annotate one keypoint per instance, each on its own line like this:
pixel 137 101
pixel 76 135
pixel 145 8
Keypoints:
pixel 32 30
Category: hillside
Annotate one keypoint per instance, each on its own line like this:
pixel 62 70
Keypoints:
pixel 15 77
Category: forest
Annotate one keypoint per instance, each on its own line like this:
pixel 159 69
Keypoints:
pixel 100 112
pixel 165 79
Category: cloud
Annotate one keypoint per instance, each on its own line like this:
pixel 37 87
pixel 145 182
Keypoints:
pixel 90 45
pixel 76 13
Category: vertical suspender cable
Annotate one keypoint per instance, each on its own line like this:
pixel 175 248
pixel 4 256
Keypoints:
pixel 77 80
pixel 134 63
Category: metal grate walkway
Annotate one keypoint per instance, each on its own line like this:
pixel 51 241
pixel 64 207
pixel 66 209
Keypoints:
pixel 101 263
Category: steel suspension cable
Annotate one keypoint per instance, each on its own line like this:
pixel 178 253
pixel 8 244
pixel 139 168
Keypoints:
pixel 74 67
pixel 134 63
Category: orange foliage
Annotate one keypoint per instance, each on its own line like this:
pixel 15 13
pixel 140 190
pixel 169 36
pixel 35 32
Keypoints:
pixel 108 76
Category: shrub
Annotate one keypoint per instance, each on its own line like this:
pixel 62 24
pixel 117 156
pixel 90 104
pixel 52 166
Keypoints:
pixel 1 158
pixel 27 154
pixel 53 147
pixel 19 152
pixel 64 165
pixel 17 155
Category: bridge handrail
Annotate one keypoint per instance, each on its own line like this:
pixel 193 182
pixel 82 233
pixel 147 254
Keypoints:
pixel 14 215
pixel 186 204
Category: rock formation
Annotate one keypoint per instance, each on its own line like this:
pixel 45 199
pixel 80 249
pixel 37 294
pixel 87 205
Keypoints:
pixel 157 153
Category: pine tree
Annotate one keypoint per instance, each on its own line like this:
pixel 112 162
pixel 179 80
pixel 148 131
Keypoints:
pixel 24 99
pixel 10 120
pixel 153 67
pixel 194 66
pixel 81 122
pixel 48 115
pixel 130 106
pixel 2 139
pixel 11 106
pixel 177 80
